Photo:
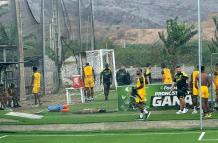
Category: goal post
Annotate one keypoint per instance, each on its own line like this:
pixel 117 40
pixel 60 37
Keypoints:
pixel 97 59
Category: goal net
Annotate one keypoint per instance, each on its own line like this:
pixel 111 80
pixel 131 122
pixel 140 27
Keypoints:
pixel 97 59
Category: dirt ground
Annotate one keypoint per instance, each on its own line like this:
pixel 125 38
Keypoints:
pixel 27 102
pixel 183 124
pixel 2 120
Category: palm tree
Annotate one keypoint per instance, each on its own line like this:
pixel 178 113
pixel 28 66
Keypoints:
pixel 214 46
pixel 178 35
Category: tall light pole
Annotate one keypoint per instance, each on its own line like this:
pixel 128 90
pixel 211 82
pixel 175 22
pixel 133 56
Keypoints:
pixel 200 60
pixel 20 48
pixel 43 45
pixel 80 38
pixel 93 26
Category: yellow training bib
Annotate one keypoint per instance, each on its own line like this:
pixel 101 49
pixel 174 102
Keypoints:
pixel 167 76
pixel 88 71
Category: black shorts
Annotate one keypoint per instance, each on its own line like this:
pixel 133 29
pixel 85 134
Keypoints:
pixel 181 93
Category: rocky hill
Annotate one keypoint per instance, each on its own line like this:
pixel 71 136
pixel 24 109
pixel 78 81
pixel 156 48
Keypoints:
pixel 150 13
pixel 136 21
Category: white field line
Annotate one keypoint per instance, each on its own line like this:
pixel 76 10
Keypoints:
pixel 201 136
pixel 3 136
pixel 210 140
pixel 93 135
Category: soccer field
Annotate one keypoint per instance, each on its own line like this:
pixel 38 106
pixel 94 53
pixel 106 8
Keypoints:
pixel 210 136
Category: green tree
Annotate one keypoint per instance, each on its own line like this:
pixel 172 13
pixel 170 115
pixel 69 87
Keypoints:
pixel 178 35
pixel 105 43
pixel 68 49
pixel 3 9
pixel 7 35
pixel 214 46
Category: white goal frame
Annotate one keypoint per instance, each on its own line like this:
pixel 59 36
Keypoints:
pixel 97 59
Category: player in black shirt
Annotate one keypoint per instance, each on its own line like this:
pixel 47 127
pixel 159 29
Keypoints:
pixel 180 79
pixel 106 76
pixel 123 77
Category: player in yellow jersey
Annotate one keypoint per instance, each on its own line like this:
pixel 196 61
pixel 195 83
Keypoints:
pixel 36 85
pixel 205 84
pixel 139 93
pixel 194 90
pixel 89 80
pixel 215 81
pixel 166 74
pixel 147 73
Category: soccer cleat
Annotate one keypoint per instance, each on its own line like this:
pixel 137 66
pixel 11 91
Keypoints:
pixel 205 116
pixel 179 112
pixel 194 112
pixel 141 116
pixel 185 110
pixel 209 115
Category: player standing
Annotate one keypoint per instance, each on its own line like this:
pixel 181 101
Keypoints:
pixel 36 85
pixel 194 90
pixel 180 79
pixel 215 81
pixel 205 84
pixel 166 74
pixel 89 80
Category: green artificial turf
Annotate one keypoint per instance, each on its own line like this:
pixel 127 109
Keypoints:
pixel 116 137
pixel 112 115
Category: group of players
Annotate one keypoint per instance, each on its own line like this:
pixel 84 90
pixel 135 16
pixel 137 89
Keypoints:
pixel 180 81
pixel 10 96
pixel 89 81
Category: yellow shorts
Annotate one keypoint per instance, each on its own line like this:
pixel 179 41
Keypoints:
pixel 142 99
pixel 167 81
pixel 215 87
pixel 35 90
pixel 195 91
pixel 89 82
pixel 205 92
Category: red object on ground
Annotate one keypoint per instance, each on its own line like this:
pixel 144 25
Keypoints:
pixel 65 106
pixel 65 110
pixel 77 81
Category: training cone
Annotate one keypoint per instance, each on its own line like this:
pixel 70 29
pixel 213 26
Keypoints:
pixel 65 110
pixel 65 106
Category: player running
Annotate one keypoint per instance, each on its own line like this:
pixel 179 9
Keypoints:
pixel 139 93
pixel 205 84
pixel 194 90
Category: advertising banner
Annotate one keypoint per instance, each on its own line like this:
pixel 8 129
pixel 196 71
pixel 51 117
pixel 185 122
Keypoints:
pixel 162 97
pixel 157 96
